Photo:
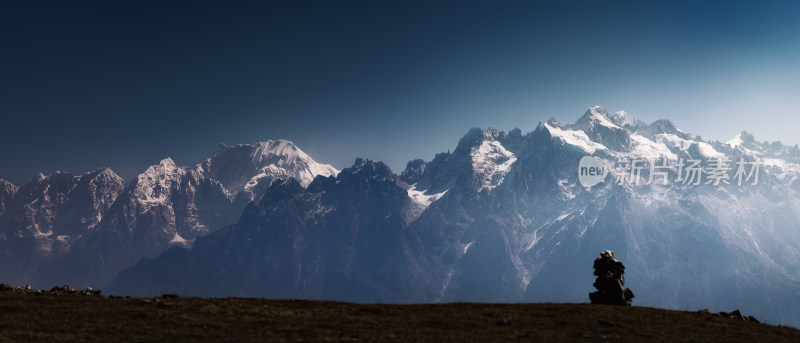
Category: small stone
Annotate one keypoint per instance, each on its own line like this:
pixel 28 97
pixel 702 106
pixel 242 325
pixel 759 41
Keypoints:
pixel 90 291
pixel 737 315
pixel 62 289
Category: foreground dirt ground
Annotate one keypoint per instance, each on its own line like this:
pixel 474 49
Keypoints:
pixel 51 317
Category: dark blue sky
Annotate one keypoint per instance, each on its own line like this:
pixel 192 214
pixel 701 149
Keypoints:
pixel 90 84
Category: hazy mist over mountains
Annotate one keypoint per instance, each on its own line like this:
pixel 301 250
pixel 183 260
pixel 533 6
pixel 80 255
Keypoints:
pixel 501 218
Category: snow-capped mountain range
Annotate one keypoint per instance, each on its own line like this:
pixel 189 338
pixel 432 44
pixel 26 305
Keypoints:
pixel 84 229
pixel 501 218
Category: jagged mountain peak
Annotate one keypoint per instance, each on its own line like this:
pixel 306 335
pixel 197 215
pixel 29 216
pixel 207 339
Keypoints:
pixel 164 169
pixel 435 173
pixel 369 168
pixel 103 172
pixel 154 185
pixel 597 110
pixel 415 169
pixel 742 138
pixel 600 128
pixel 39 177
pixel 491 161
pixel 480 161
pixel 51 211
pixel 664 126
pixel 550 121
pixel 745 143
pixel 595 115
pixel 474 137
pixel 667 124
pixel 624 119
pixel 52 183
pixel 252 167
pixel 167 162
pixel 279 147
pixel 267 150
pixel 58 181
pixel 280 189
pixel 6 184
pixel 7 192
pixel 575 138
pixel 102 175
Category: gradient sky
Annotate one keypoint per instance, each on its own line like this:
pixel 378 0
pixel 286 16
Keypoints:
pixel 125 84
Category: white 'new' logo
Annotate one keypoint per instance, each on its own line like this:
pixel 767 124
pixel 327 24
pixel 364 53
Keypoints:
pixel 591 171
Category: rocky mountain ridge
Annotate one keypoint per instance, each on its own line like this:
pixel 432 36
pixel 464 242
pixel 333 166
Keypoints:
pixel 83 229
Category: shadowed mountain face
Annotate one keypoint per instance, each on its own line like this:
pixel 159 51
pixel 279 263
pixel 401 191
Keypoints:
pixel 339 234
pixel 166 205
pixel 503 218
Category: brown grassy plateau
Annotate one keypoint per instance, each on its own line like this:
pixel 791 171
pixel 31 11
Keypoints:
pixel 54 316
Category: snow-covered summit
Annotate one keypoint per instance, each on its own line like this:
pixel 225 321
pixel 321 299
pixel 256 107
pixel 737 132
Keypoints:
pixel 623 119
pixel 244 167
pixel 596 115
pixel 628 137
pixel 490 163
pixel 601 128
pixel 574 138
pixel 622 135
pixel 153 187
pixel 775 152
pixel 664 126
pixel 741 139
pixel 474 137
pixel 490 154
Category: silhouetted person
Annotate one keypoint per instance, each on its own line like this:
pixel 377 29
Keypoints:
pixel 610 282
